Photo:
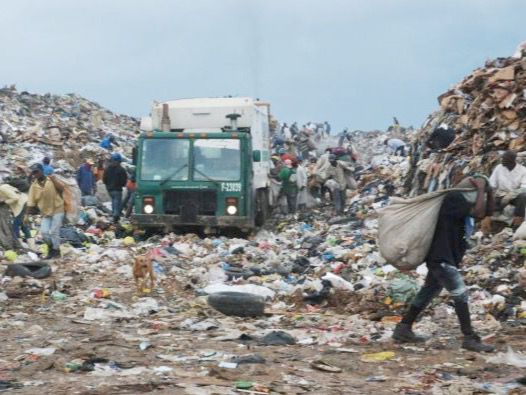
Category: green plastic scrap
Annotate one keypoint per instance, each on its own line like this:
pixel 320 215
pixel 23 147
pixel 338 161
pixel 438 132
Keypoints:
pixel 244 385
pixel 402 289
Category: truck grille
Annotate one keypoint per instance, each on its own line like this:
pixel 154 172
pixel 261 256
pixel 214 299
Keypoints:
pixel 189 204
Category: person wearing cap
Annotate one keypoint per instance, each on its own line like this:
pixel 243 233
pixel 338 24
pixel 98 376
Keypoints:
pixel 16 201
pixel 46 164
pixel 45 196
pixel 115 178
pixel 289 187
pixel 86 179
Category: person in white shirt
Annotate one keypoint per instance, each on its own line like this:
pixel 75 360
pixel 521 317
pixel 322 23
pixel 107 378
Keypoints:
pixel 509 181
pixel 395 146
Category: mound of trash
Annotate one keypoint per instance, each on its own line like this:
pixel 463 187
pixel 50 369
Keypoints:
pixel 479 117
pixel 66 128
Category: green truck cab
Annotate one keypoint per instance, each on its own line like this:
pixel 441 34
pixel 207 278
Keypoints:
pixel 208 174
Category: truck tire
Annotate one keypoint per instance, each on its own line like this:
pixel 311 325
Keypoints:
pixel 262 207
pixel 238 304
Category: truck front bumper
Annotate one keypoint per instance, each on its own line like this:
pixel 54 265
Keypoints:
pixel 164 220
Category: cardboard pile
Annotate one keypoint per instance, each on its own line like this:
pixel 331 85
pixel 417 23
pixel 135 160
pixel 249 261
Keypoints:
pixel 487 113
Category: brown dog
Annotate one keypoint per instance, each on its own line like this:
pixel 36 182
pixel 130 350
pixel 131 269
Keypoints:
pixel 142 269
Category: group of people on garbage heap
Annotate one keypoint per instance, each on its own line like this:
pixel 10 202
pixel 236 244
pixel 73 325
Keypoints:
pixel 303 173
pixel 293 133
pixel 46 196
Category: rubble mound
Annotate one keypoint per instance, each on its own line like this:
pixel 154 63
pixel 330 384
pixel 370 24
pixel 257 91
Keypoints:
pixel 486 111
pixel 60 126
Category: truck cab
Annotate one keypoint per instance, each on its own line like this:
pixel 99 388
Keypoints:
pixel 203 162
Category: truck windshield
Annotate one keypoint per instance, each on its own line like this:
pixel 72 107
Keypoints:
pixel 165 160
pixel 219 160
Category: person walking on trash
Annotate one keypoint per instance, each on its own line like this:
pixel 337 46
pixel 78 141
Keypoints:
pixel 86 179
pixel 115 179
pixel 443 260
pixel 16 201
pixel 45 195
pixel 338 181
pixel 289 186
pixel 303 192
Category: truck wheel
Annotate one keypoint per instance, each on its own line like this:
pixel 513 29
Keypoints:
pixel 262 207
pixel 239 304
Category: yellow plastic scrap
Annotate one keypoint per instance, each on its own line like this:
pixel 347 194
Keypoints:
pixel 10 255
pixel 378 357
pixel 44 249
pixel 128 241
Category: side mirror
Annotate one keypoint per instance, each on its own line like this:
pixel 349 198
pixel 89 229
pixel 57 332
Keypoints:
pixel 256 156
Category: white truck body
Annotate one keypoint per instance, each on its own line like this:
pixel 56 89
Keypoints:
pixel 209 115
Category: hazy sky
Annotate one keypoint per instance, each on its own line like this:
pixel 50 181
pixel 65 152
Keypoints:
pixel 355 63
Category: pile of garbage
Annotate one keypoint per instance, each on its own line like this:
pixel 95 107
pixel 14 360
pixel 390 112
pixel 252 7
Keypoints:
pixel 65 128
pixel 478 118
pixel 285 310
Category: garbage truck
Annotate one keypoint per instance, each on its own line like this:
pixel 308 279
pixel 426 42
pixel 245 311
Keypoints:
pixel 203 162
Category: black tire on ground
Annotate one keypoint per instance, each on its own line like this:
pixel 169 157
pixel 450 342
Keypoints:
pixel 239 304
pixel 35 269
pixel 262 206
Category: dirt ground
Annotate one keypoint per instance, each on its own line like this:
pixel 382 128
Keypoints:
pixel 182 360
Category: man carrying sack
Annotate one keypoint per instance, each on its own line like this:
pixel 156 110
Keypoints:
pixel 447 249
pixel 45 196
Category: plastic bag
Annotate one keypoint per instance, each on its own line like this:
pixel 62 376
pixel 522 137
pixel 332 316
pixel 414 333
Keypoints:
pixel 402 289
pixel 509 358
pixel 520 233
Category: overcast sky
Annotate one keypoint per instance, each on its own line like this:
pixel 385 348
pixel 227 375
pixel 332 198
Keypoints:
pixel 355 63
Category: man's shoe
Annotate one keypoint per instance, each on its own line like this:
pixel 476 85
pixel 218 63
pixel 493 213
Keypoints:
pixel 404 334
pixel 53 254
pixel 473 343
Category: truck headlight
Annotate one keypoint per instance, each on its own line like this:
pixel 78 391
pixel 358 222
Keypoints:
pixel 231 205
pixel 232 210
pixel 148 205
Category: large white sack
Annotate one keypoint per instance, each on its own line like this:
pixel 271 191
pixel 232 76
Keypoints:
pixel 520 233
pixel 248 288
pixel 406 228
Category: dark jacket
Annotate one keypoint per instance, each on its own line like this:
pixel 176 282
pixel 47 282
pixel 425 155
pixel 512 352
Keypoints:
pixel 86 179
pixel 115 177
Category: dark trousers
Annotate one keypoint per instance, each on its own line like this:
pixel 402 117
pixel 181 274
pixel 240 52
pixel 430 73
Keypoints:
pixel 338 199
pixel 520 205
pixel 400 150
pixel 18 224
pixel 292 198
pixel 129 200
pixel 442 276
pixel 116 203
